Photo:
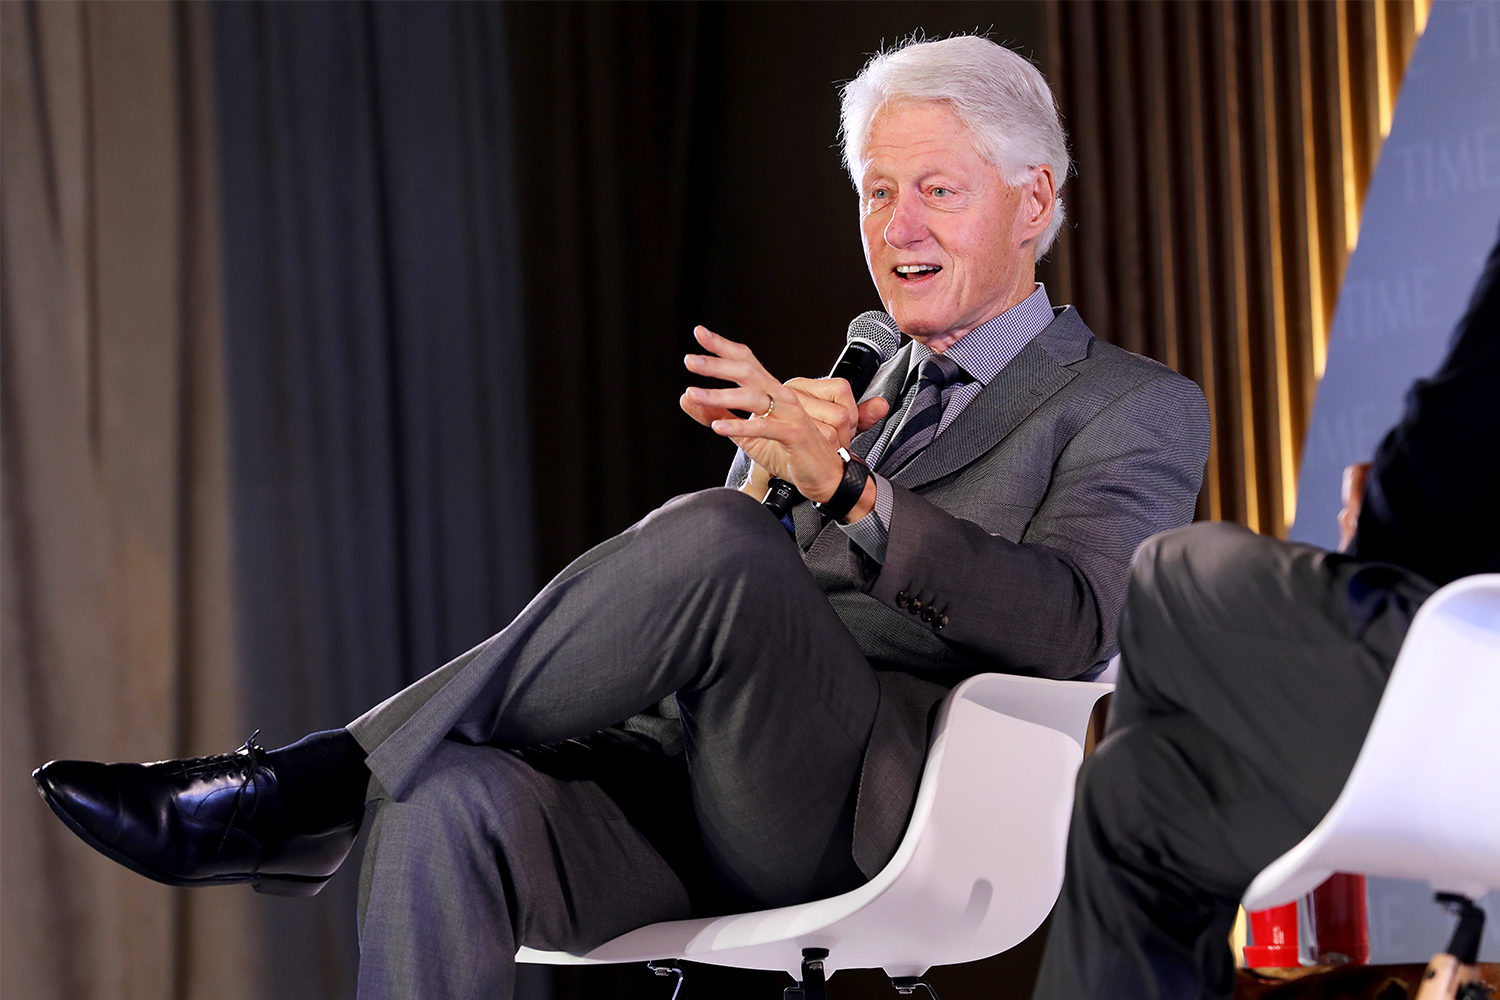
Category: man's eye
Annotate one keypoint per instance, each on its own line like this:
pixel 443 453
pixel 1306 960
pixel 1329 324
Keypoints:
pixel 940 192
pixel 880 193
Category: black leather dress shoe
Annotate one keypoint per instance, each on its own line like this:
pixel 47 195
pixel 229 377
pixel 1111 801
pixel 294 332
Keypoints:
pixel 201 821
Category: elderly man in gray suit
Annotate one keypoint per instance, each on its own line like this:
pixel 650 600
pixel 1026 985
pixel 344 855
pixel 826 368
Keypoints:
pixel 976 511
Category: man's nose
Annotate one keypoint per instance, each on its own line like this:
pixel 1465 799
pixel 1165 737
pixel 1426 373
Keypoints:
pixel 908 224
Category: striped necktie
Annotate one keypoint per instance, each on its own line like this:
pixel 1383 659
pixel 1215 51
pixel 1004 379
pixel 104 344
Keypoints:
pixel 925 414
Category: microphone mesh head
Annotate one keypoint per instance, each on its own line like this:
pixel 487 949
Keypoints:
pixel 878 330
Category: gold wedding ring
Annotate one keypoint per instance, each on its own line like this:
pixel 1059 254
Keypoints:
pixel 770 406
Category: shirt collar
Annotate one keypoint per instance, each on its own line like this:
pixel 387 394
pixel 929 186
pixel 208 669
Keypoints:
pixel 990 346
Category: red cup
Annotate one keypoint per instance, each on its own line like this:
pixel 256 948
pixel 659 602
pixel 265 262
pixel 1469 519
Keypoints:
pixel 1274 932
pixel 1340 922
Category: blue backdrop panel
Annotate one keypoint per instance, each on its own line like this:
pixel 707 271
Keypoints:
pixel 1430 218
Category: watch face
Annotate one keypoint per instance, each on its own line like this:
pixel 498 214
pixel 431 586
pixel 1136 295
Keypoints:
pixel 844 454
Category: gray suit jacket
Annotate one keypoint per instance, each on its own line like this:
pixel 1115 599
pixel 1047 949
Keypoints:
pixel 1017 524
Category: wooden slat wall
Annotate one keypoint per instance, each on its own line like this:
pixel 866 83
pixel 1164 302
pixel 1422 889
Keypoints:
pixel 1222 151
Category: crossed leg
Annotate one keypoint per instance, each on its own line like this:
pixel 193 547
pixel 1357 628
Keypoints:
pixel 707 599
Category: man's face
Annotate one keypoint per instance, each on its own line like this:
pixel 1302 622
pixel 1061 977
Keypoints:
pixel 948 242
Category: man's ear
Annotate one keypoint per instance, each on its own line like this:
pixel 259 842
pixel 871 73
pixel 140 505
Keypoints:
pixel 1038 202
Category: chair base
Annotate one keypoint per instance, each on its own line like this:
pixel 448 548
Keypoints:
pixel 669 969
pixel 812 986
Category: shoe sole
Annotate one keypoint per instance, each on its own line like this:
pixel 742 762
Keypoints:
pixel 271 885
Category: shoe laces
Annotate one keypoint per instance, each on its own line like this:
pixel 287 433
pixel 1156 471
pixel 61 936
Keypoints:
pixel 249 759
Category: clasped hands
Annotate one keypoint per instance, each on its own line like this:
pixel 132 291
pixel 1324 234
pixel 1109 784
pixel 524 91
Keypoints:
pixel 795 429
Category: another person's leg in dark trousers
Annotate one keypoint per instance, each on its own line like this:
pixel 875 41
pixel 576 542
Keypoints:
pixel 1251 671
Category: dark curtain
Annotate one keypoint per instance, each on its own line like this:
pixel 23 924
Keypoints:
pixel 679 165
pixel 616 120
pixel 376 373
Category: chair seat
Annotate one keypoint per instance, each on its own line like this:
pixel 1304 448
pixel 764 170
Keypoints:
pixel 977 871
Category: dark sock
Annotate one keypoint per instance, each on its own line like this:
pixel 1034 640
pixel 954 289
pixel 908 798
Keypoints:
pixel 322 778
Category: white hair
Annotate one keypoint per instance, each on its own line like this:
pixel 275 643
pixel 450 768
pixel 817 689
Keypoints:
pixel 1000 97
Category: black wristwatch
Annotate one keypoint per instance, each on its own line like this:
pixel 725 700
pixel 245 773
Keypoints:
pixel 856 474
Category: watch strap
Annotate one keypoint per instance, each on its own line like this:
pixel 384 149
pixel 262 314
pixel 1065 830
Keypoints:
pixel 851 488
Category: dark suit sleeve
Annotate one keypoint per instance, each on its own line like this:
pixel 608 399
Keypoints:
pixel 1049 603
pixel 1431 497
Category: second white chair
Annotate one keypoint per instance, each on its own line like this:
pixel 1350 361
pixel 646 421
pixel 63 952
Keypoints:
pixel 1423 799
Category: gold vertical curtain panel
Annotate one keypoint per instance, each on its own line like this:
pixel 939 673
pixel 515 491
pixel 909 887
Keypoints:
pixel 1223 151
pixel 116 635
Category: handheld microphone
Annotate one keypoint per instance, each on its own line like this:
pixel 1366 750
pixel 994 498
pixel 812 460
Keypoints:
pixel 872 338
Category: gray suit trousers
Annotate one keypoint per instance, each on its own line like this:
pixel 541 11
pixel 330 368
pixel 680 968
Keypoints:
pixel 1251 672
pixel 473 852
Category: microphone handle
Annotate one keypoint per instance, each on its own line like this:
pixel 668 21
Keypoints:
pixel 781 497
pixel 857 366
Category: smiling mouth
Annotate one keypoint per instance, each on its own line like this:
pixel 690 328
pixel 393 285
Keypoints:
pixel 916 272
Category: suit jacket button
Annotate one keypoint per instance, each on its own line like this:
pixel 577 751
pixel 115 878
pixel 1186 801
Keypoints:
pixel 916 606
pixel 941 621
pixel 903 599
pixel 929 615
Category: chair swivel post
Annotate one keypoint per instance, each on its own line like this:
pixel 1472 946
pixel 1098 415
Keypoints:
pixel 907 985
pixel 813 985
pixel 1465 943
pixel 1454 974
pixel 669 968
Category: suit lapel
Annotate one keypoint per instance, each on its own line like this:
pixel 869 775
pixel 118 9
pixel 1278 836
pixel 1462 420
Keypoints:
pixel 807 522
pixel 1023 384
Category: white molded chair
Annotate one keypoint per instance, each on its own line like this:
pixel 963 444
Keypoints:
pixel 977 871
pixel 1423 800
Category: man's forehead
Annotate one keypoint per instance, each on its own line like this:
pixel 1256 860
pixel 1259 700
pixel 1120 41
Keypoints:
pixel 924 153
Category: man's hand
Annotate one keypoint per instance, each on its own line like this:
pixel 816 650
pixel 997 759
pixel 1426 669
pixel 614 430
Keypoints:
pixel 1354 498
pixel 830 402
pixel 795 430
